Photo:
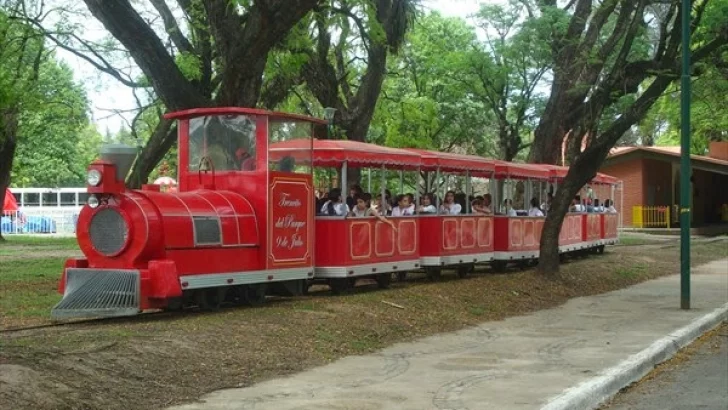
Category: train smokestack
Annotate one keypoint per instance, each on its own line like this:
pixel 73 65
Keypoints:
pixel 121 155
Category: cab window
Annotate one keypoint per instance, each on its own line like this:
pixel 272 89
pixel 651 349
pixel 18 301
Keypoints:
pixel 227 140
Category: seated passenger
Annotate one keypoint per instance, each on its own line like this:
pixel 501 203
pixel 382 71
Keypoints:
pixel 508 205
pixel 449 206
pixel 427 204
pixel 488 204
pixel 597 207
pixel 576 205
pixel 354 190
pixel 534 210
pixel 404 207
pixel 547 205
pixel 335 205
pixel 461 199
pixel 477 205
pixel 382 207
pixel 609 208
pixel 287 164
pixel 245 161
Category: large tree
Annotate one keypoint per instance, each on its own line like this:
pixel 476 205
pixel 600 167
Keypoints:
pixel 601 60
pixel 346 59
pixel 709 113
pixel 505 72
pixel 55 139
pixel 21 54
pixel 192 53
pixel 423 104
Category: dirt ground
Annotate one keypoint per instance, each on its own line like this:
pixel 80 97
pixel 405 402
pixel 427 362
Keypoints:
pixel 153 361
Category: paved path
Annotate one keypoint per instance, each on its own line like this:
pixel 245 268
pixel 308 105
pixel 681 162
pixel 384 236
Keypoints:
pixel 699 383
pixel 518 363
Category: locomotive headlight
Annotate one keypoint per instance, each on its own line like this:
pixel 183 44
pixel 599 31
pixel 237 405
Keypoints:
pixel 93 177
pixel 93 201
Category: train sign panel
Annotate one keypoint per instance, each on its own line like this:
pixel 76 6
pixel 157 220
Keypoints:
pixel 289 224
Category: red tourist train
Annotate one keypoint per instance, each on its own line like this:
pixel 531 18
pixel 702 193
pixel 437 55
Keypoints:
pixel 244 222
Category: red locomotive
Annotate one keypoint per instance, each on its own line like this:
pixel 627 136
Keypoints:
pixel 243 223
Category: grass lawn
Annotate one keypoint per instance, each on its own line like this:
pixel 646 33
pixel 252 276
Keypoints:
pixel 155 361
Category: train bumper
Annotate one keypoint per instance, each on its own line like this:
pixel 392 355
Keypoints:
pixel 99 293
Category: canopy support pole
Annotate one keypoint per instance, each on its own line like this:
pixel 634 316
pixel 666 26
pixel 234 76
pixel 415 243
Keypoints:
pixel 369 177
pixel 468 189
pixel 401 182
pixel 344 176
pixel 437 197
pixel 383 189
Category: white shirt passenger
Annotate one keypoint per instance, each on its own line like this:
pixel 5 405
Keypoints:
pixel 340 209
pixel 535 212
pixel 429 209
pixel 454 209
pixel 409 211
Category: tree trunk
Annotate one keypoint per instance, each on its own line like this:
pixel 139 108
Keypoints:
pixel 162 139
pixel 581 171
pixel 548 262
pixel 8 143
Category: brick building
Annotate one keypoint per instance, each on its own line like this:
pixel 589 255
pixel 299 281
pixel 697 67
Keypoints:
pixel 651 177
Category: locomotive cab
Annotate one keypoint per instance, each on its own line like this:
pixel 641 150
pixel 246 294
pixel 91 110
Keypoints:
pixel 239 227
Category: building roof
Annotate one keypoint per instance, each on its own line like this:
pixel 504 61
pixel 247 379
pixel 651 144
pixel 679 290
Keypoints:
pixel 666 151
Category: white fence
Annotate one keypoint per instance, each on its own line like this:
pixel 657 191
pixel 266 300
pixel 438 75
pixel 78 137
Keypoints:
pixel 38 221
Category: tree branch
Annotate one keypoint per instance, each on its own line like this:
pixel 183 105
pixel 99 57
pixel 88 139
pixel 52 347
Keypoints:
pixel 124 23
pixel 171 27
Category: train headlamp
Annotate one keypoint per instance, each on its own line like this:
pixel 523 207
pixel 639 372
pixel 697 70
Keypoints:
pixel 93 201
pixel 93 177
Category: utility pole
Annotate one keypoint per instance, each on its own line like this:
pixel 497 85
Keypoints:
pixel 685 171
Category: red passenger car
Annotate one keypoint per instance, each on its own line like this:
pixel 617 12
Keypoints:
pixel 348 248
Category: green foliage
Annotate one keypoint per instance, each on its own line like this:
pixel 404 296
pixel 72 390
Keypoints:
pixel 56 142
pixel 423 105
pixel 708 114
pixel 53 139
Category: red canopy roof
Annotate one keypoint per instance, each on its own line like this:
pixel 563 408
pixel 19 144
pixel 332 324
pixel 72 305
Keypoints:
pixel 559 172
pixel 505 169
pixel 333 153
pixel 211 111
pixel 9 204
pixel 449 162
pixel 605 179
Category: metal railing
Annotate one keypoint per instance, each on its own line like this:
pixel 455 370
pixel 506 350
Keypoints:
pixel 651 216
pixel 36 220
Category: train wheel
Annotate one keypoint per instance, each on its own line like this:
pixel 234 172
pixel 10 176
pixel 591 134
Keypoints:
pixel 600 249
pixel 463 270
pixel 433 272
pixel 305 286
pixel 174 304
pixel 209 299
pixel 499 266
pixel 384 280
pixel 401 276
pixel 340 285
pixel 254 295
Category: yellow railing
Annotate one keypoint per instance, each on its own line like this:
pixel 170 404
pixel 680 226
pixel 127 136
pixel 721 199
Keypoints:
pixel 651 216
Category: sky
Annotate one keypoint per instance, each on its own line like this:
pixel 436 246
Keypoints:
pixel 105 93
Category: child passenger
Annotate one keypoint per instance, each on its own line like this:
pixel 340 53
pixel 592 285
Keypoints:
pixel 404 207
pixel 427 204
